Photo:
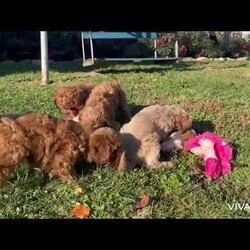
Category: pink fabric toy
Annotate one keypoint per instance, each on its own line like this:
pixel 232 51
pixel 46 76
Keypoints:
pixel 214 150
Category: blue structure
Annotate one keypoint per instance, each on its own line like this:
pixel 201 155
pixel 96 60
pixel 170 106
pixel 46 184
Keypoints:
pixel 119 35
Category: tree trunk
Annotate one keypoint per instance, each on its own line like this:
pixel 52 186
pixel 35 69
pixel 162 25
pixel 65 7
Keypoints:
pixel 213 37
pixel 225 41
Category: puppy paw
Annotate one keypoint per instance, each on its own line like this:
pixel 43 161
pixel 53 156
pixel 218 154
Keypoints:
pixel 168 164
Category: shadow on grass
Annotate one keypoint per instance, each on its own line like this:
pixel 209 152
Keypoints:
pixel 84 168
pixel 135 108
pixel 29 178
pixel 201 126
pixel 157 67
pixel 180 66
pixel 236 148
pixel 28 67
pixel 102 67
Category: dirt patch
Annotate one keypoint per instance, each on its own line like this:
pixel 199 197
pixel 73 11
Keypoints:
pixel 238 122
pixel 206 106
pixel 162 100
pixel 242 118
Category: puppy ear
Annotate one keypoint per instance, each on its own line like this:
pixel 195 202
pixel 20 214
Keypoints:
pixel 182 120
pixel 178 122
pixel 122 163
pixel 91 153
pixel 185 121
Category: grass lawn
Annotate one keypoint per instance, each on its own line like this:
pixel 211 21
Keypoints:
pixel 217 94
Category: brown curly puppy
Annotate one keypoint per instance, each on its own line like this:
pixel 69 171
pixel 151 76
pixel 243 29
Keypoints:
pixel 13 147
pixel 71 98
pixel 145 136
pixel 51 145
pixel 100 108
pixel 140 141
pixel 105 147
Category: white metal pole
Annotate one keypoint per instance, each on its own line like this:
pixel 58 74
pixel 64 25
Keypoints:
pixel 83 50
pixel 176 49
pixel 44 57
pixel 91 47
pixel 155 51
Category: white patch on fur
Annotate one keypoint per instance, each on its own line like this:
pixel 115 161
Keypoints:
pixel 76 119
pixel 178 144
pixel 174 134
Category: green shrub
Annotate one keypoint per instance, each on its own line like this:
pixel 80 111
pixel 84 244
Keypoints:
pixel 194 44
pixel 65 46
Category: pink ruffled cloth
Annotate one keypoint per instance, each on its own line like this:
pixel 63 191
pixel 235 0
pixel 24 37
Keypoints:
pixel 214 150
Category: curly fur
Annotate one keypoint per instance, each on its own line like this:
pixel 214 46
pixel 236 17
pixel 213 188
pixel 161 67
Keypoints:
pixel 13 147
pixel 139 141
pixel 101 106
pixel 105 147
pixel 143 136
pixel 49 144
pixel 71 98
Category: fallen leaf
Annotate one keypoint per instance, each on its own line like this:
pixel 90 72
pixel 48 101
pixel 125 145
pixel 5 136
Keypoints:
pixel 144 201
pixel 143 213
pixel 111 210
pixel 78 191
pixel 80 211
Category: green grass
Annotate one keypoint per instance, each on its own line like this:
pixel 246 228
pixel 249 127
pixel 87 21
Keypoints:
pixel 217 94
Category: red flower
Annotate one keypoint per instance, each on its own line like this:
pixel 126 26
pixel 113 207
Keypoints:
pixel 184 47
pixel 245 46
pixel 160 41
